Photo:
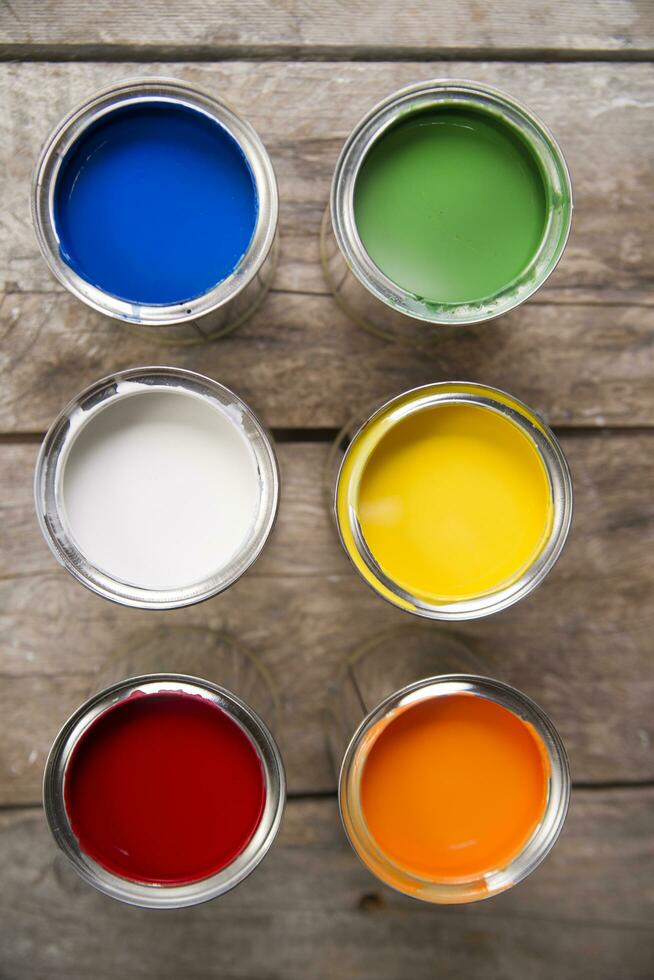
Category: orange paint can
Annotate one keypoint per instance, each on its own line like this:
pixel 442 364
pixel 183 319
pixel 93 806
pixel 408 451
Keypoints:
pixel 454 788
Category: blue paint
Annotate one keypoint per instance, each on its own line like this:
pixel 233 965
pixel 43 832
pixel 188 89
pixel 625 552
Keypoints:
pixel 155 204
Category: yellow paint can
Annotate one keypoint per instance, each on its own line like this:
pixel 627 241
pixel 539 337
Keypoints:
pixel 453 500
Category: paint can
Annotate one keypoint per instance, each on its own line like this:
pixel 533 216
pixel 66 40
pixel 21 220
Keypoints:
pixel 463 887
pixel 389 301
pixel 68 777
pixel 224 300
pixel 156 487
pixel 371 516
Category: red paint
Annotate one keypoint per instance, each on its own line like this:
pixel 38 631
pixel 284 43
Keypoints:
pixel 164 789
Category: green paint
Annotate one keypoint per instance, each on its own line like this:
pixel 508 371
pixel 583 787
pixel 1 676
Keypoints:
pixel 450 204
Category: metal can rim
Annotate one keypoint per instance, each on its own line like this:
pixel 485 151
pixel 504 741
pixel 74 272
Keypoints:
pixel 52 459
pixel 376 121
pixel 68 130
pixel 559 475
pixel 536 848
pixel 164 896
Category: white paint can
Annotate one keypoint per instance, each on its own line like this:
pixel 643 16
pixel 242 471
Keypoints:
pixel 156 487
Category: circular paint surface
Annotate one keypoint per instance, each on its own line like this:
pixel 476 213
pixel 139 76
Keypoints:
pixel 450 205
pixel 453 502
pixel 454 786
pixel 161 490
pixel 155 204
pixel 164 789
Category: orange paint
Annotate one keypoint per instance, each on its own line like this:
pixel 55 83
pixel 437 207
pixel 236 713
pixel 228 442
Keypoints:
pixel 453 786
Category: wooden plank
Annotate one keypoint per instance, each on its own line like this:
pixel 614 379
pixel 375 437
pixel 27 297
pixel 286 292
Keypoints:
pixel 601 113
pixel 580 645
pixel 300 362
pixel 212 27
pixel 311 910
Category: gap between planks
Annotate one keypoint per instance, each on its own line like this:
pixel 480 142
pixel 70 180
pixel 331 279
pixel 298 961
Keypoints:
pixel 173 53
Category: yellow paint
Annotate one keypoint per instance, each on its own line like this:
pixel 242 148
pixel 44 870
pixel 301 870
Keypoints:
pixel 453 500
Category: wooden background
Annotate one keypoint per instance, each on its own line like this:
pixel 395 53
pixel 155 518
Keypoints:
pixel 581 353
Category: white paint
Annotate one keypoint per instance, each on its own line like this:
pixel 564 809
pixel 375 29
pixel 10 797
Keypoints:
pixel 161 489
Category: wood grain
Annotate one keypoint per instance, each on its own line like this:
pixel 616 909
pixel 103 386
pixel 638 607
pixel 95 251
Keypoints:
pixel 300 362
pixel 581 353
pixel 302 27
pixel 580 645
pixel 601 114
pixel 311 910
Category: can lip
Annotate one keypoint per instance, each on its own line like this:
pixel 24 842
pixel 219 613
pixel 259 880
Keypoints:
pixel 164 896
pixel 558 473
pixel 493 882
pixel 131 92
pixel 51 463
pixel 416 97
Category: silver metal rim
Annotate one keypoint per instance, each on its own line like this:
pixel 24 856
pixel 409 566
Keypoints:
pixel 164 896
pixel 558 473
pixel 536 849
pixel 52 460
pixel 132 92
pixel 421 96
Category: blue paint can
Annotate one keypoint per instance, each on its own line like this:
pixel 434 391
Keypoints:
pixel 157 205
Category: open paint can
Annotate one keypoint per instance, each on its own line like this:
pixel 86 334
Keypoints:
pixel 156 204
pixel 453 500
pixel 451 203
pixel 156 487
pixel 164 790
pixel 454 788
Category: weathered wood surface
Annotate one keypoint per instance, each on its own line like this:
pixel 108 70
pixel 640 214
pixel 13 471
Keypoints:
pixel 581 353
pixel 212 27
pixel 580 645
pixel 311 911
pixel 300 362
pixel 601 114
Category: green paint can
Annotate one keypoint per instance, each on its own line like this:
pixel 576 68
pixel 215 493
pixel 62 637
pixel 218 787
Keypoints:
pixel 451 204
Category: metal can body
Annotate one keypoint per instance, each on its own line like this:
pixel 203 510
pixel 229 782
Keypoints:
pixel 85 408
pixel 499 879
pixel 344 475
pixel 364 292
pixel 223 307
pixel 156 895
